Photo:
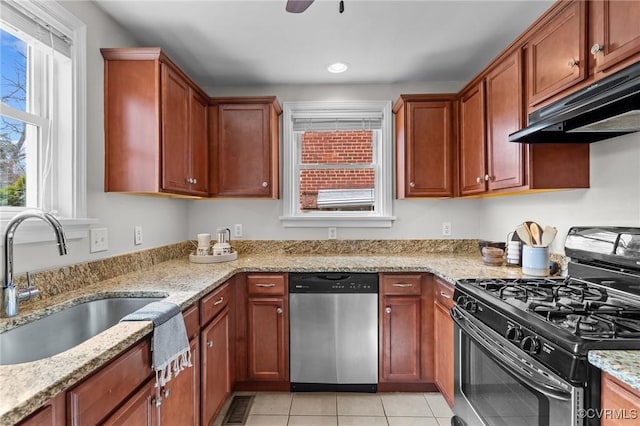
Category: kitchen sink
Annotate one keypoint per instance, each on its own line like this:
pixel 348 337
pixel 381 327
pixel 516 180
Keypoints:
pixel 65 329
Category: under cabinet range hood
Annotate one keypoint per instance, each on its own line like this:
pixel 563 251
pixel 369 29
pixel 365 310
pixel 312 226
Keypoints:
pixel 606 109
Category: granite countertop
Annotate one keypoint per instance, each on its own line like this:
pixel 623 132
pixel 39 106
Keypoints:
pixel 623 365
pixel 32 384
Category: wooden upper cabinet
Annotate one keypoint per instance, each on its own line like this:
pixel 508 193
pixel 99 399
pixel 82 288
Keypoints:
pixel 244 139
pixel 505 160
pixel 155 125
pixel 472 140
pixel 614 34
pixel 557 53
pixel 425 141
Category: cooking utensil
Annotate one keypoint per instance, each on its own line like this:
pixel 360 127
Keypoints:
pixel 524 234
pixel 548 235
pixel 536 233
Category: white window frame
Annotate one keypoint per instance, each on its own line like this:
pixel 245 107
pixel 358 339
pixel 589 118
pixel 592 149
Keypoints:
pixel 71 155
pixel 381 216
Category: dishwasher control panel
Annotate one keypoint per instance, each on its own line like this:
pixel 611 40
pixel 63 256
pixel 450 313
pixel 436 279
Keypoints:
pixel 333 282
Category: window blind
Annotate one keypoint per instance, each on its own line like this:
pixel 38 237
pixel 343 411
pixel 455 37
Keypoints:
pixel 27 23
pixel 335 122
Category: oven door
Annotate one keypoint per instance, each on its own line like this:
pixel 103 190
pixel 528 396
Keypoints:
pixel 496 383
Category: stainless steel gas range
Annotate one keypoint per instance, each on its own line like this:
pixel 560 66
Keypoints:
pixel 521 345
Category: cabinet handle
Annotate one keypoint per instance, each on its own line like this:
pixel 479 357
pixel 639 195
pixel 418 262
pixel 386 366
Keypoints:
pixel 445 295
pixel 195 181
pixel 157 401
pixel 265 285
pixel 478 179
pixel 401 285
pixel 412 184
pixel 573 63
pixel 279 311
pixel 265 184
pixel 487 177
pixel 210 344
pixel 166 392
pixel 219 301
pixel 596 48
pixel 387 309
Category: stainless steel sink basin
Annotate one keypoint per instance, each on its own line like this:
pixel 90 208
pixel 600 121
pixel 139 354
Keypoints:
pixel 65 329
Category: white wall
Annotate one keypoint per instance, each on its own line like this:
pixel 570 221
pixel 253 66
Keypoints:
pixel 163 220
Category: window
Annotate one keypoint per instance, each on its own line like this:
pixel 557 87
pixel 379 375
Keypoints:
pixel 42 118
pixel 337 164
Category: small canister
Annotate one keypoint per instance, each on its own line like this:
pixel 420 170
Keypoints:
pixel 513 253
pixel 535 261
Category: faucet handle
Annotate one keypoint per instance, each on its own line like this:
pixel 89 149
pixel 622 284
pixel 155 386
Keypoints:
pixel 23 294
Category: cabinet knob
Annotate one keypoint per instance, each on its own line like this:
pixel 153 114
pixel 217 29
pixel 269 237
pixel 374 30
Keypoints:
pixel 488 177
pixel 279 311
pixel 210 344
pixel 265 184
pixel 596 48
pixel 412 184
pixel 195 181
pixel 166 392
pixel 478 179
pixel 157 401
pixel 573 63
pixel 387 309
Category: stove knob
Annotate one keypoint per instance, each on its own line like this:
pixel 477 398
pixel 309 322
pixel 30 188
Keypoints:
pixel 513 333
pixel 530 344
pixel 461 300
pixel 471 306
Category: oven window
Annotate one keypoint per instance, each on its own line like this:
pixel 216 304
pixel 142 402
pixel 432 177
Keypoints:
pixel 500 398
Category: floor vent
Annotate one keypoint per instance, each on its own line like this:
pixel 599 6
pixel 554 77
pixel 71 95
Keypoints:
pixel 238 410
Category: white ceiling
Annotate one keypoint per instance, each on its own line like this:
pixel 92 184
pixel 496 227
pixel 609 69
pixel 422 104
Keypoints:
pixel 241 42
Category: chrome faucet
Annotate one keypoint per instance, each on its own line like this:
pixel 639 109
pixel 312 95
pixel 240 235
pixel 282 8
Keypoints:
pixel 9 294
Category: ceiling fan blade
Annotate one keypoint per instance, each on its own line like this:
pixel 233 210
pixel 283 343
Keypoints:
pixel 298 6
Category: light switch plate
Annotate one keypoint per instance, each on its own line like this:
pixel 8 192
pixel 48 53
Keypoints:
pixel 446 229
pixel 99 240
pixel 137 235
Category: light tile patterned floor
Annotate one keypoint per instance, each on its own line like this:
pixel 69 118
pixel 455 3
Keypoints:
pixel 347 409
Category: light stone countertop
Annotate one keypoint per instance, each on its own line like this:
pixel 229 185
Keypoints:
pixel 623 365
pixel 28 386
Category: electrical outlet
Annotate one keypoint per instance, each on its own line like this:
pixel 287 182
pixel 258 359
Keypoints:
pixel 137 235
pixel 237 230
pixel 333 233
pixel 99 240
pixel 446 229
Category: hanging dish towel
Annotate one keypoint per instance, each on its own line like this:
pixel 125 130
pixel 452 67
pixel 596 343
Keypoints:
pixel 170 345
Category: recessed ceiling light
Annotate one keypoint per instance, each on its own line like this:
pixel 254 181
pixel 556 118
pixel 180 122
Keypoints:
pixel 337 67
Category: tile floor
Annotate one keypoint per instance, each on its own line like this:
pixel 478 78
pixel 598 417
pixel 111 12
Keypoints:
pixel 346 409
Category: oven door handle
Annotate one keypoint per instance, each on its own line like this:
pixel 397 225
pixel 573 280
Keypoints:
pixel 533 378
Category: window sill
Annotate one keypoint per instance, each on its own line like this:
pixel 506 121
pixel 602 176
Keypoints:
pixel 37 231
pixel 337 221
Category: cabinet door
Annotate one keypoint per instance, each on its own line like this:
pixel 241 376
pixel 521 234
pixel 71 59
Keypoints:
pixel 215 366
pixel 141 409
pixel 244 150
pixel 504 116
pixel 619 400
pixel 400 346
pixel 198 148
pixel 175 131
pixel 557 53
pixel 443 326
pixel 52 413
pixel 268 342
pixel 181 395
pixel 615 32
pixel 472 141
pixel 429 150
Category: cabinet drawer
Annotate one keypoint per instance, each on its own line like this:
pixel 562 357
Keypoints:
pixel 214 303
pixel 406 284
pixel 444 292
pixel 92 400
pixel 265 284
pixel 192 321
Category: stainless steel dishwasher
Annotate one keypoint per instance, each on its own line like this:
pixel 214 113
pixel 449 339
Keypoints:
pixel 333 332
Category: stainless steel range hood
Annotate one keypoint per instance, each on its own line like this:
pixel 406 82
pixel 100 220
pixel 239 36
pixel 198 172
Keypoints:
pixel 606 109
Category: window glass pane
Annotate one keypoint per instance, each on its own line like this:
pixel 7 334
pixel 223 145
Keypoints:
pixel 337 189
pixel 18 158
pixel 340 147
pixel 13 65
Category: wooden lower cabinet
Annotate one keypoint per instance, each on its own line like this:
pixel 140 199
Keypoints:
pixel 443 339
pixel 406 333
pixel 268 342
pixel 181 395
pixel 216 384
pixel 141 409
pixel 52 413
pixel 620 402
